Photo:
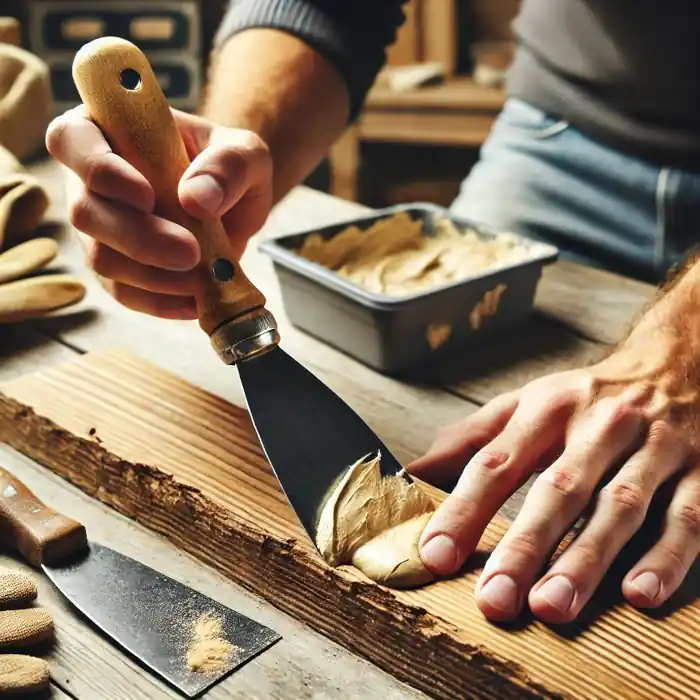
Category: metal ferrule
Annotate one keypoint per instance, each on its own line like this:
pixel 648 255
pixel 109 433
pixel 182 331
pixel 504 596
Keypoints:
pixel 246 337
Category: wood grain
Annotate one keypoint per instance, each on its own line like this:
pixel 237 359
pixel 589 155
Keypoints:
pixel 187 465
pixel 85 664
pixel 457 94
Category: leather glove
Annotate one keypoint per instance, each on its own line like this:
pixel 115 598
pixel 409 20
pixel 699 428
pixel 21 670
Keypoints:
pixel 22 297
pixel 22 627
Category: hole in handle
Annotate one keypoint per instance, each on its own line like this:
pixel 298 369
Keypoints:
pixel 223 270
pixel 130 79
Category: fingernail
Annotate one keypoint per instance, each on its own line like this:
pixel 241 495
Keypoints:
pixel 440 554
pixel 648 584
pixel 205 190
pixel 501 592
pixel 558 592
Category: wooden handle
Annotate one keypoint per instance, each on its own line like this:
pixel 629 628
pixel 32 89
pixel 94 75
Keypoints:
pixel 41 535
pixel 122 96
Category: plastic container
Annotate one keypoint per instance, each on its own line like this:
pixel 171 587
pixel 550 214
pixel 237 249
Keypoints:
pixel 395 335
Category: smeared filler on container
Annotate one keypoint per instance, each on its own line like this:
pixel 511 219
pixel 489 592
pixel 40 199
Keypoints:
pixel 375 523
pixel 394 257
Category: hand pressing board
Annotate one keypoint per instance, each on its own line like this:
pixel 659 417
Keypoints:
pixel 188 465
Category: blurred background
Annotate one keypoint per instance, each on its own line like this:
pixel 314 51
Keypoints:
pixel 424 120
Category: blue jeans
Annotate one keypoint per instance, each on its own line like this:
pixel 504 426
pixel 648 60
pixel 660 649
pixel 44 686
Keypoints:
pixel 543 178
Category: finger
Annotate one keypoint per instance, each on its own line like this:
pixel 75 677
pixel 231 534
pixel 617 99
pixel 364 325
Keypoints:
pixel 79 144
pixel 620 510
pixel 146 238
pixel 555 500
pixel 457 443
pixel 111 264
pixel 235 169
pixel 489 479
pixel 661 571
pixel 161 305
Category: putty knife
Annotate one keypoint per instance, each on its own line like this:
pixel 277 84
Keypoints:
pixel 148 614
pixel 310 436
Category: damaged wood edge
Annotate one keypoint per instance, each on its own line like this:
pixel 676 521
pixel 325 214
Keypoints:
pixel 328 600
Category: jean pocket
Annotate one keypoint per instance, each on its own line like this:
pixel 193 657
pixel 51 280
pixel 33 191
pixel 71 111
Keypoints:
pixel 525 118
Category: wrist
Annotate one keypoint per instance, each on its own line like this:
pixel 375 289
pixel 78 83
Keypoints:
pixel 666 339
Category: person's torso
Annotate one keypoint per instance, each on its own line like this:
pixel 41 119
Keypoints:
pixel 637 60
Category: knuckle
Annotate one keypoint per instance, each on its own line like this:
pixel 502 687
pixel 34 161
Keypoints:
pixel 97 171
pixel 627 499
pixel 688 515
pixel 95 256
pixel 585 552
pixel 251 142
pixel 80 212
pixel 569 483
pixel 661 435
pixel 588 389
pixel 120 292
pixel 491 459
pixel 524 543
pixel 621 413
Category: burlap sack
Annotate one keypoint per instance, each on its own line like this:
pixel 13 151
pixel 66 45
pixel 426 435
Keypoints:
pixel 23 201
pixel 25 101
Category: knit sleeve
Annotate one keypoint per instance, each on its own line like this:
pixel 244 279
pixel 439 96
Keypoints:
pixel 352 34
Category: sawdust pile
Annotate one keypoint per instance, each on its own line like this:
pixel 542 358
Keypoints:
pixel 209 651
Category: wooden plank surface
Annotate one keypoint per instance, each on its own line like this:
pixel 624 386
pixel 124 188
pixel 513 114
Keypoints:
pixel 456 94
pixel 425 128
pixel 84 664
pixel 188 465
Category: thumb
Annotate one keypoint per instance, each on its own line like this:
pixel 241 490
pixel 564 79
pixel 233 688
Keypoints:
pixel 235 165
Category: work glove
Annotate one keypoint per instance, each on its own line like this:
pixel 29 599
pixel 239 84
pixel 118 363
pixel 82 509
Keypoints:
pixel 23 203
pixel 21 628
pixel 23 297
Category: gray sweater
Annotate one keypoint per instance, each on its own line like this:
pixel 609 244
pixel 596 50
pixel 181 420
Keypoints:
pixel 627 72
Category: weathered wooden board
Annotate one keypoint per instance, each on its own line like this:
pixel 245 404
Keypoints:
pixel 187 465
pixel 303 664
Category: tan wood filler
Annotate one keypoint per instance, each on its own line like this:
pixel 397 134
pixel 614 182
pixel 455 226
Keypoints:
pixel 395 257
pixel 375 523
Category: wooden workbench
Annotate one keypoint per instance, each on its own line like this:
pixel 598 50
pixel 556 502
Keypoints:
pixel 580 313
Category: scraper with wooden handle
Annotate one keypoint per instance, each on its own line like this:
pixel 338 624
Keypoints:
pixel 151 615
pixel 309 434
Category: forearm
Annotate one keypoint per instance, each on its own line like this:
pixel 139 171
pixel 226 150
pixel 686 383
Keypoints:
pixel 274 84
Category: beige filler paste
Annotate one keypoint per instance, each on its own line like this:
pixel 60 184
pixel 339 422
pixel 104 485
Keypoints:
pixel 374 522
pixel 393 256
